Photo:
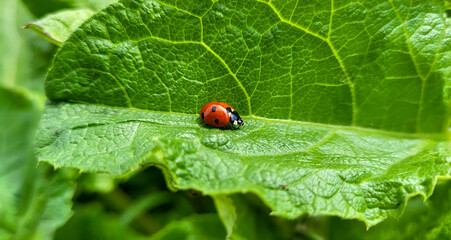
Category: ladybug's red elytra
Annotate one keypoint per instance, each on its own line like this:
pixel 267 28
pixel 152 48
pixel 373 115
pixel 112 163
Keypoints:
pixel 220 114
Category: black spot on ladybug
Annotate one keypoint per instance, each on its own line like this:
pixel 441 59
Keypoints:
pixel 229 109
pixel 216 121
pixel 202 115
pixel 213 109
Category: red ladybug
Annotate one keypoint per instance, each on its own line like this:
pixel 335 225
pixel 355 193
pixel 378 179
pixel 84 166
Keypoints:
pixel 220 114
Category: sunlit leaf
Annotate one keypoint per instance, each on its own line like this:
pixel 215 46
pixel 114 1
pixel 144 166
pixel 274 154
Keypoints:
pixel 59 26
pixel 345 106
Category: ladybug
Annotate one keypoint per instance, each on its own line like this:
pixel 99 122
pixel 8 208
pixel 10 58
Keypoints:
pixel 220 114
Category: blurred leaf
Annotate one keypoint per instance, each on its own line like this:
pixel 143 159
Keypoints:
pixel 205 227
pixel 227 212
pixel 41 8
pixel 165 206
pixel 33 201
pixel 25 58
pixel 144 204
pixel 243 221
pixel 100 182
pixel 59 26
pixel 92 223
pixel 347 116
pixel 92 4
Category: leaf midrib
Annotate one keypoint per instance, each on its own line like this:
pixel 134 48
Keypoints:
pixel 446 136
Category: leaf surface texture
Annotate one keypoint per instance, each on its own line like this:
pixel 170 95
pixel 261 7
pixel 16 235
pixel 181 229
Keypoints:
pixel 347 102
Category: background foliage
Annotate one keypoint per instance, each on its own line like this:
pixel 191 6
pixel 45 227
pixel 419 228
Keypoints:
pixel 131 202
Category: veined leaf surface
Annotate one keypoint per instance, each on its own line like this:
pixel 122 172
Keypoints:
pixel 346 102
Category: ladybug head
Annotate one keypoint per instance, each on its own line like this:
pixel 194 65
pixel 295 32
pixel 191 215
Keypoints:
pixel 236 120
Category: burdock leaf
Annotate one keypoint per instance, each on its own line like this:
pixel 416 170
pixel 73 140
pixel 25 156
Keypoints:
pixel 345 105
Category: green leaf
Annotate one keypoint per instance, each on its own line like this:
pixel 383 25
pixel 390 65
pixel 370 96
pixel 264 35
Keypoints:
pixel 227 212
pixel 92 223
pixel 204 226
pixel 362 174
pixel 421 220
pixel 144 204
pixel 59 26
pixel 92 4
pixel 373 68
pixel 244 221
pixel 96 183
pixel 24 61
pixel 41 8
pixel 33 201
pixel 346 105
